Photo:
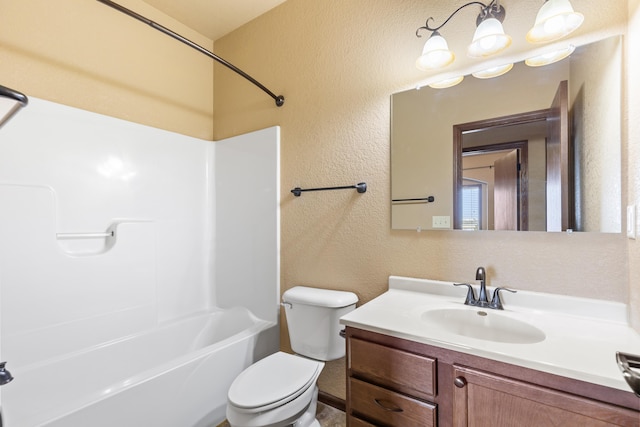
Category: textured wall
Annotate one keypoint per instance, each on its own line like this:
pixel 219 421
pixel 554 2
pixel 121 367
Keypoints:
pixel 337 63
pixel 84 54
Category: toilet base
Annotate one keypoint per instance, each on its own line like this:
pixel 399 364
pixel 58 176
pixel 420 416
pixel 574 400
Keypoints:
pixel 308 419
pixel 286 416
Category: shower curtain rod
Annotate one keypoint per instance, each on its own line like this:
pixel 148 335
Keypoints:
pixel 279 99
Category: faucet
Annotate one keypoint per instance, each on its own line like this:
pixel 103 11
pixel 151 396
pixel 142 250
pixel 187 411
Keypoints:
pixel 482 300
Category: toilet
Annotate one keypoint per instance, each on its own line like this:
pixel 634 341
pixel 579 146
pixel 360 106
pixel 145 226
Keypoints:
pixel 280 390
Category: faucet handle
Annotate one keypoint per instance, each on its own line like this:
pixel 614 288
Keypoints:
pixel 471 296
pixel 495 300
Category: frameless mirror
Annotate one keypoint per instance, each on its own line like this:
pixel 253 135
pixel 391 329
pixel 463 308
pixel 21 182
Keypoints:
pixel 536 149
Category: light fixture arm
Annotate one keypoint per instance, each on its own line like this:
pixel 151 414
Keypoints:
pixel 493 9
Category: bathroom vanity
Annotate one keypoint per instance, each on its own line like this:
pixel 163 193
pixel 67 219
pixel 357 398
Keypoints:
pixel 416 356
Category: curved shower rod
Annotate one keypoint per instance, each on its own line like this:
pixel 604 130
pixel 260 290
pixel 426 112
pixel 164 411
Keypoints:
pixel 279 99
pixel 17 100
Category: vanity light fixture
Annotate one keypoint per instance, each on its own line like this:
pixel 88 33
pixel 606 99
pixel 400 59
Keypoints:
pixel 443 84
pixel 11 102
pixel 435 54
pixel 489 37
pixel 492 72
pixel 555 19
pixel 550 57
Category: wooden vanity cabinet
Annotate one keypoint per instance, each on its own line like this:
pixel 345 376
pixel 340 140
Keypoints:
pixel 391 386
pixel 393 382
pixel 484 399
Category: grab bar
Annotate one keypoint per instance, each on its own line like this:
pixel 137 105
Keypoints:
pixel 64 236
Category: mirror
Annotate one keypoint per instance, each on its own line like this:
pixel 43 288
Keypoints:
pixel 449 148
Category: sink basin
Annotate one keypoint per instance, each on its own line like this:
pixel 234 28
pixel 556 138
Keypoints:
pixel 484 325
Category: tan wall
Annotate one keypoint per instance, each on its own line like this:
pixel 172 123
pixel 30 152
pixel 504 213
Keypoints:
pixel 84 54
pixel 337 63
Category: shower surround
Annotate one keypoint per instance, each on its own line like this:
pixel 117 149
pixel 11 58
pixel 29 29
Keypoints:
pixel 111 230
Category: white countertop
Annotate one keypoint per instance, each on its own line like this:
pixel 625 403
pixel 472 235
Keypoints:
pixel 582 335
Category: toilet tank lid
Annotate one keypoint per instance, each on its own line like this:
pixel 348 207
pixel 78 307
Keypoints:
pixel 319 297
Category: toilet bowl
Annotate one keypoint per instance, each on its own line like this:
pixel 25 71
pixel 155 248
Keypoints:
pixel 276 391
pixel 280 390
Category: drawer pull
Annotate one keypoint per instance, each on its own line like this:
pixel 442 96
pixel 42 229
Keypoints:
pixel 388 406
pixel 460 382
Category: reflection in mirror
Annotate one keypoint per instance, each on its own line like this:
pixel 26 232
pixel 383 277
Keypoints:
pixel 523 155
pixel 519 152
pixel 496 178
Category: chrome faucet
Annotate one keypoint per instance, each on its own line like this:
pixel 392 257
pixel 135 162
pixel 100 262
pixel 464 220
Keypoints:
pixel 482 300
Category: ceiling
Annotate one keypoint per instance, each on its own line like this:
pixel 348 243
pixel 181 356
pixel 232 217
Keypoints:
pixel 214 18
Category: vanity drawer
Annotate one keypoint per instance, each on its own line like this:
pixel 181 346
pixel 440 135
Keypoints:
pixel 380 405
pixel 357 422
pixel 397 369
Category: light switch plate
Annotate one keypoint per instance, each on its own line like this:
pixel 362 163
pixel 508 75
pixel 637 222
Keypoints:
pixel 631 221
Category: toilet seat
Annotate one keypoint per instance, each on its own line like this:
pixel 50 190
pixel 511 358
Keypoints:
pixel 273 381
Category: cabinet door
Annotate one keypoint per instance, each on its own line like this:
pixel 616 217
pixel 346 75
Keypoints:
pixel 481 399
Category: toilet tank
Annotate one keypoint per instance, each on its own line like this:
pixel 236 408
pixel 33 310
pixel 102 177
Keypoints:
pixel 313 318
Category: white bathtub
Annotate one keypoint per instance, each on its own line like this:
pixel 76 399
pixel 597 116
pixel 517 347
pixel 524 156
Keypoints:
pixel 176 375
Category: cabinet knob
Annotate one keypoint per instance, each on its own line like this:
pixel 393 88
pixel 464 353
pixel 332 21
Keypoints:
pixel 460 382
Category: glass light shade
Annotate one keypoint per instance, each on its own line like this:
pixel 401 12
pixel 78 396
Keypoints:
pixel 493 72
pixel 443 84
pixel 488 39
pixel 435 54
pixel 555 19
pixel 550 57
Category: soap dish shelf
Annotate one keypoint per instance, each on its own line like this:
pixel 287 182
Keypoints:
pixel 100 235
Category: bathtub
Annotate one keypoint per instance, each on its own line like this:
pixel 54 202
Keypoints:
pixel 175 375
